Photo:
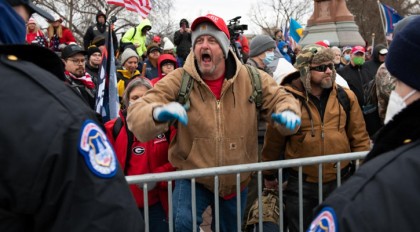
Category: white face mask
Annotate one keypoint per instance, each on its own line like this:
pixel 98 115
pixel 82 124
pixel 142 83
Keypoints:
pixel 396 104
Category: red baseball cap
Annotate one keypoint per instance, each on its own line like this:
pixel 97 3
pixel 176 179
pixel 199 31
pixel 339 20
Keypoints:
pixel 357 49
pixel 215 20
pixel 325 43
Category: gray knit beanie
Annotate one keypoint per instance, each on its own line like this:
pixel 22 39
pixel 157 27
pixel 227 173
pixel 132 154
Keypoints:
pixel 260 44
pixel 127 54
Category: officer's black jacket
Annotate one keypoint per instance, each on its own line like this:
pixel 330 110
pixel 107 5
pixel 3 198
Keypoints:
pixel 45 184
pixel 383 195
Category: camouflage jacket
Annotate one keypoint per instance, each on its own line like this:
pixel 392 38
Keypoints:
pixel 385 83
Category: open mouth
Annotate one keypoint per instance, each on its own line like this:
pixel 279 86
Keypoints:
pixel 206 58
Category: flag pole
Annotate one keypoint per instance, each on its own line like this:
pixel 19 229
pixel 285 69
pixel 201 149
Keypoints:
pixel 381 13
pixel 373 40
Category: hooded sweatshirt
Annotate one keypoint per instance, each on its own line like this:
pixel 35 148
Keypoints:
pixel 136 37
pixel 162 58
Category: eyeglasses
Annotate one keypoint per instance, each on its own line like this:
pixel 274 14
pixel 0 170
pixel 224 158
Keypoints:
pixel 168 64
pixel 322 67
pixel 77 62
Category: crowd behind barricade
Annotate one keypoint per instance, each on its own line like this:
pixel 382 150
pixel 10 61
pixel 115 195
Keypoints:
pixel 184 104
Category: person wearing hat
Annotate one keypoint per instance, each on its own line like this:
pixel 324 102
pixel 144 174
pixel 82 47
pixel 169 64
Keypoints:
pixel 93 63
pixel 149 68
pixel 137 36
pixel 358 79
pixel 53 176
pixel 355 74
pixel 182 40
pixel 345 57
pixel 168 46
pixel 127 71
pixel 382 195
pixel 378 58
pixel 166 64
pixel 385 82
pixel 262 52
pixel 74 60
pixel 211 133
pixel 59 35
pixel 34 34
pixel 324 121
pixel 101 27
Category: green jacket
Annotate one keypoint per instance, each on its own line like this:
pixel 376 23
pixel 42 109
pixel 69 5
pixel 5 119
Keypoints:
pixel 219 132
pixel 138 38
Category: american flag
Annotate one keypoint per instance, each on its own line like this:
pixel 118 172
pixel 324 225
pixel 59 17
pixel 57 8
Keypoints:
pixel 143 7
pixel 107 103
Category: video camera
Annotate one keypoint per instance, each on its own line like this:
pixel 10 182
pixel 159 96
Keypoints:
pixel 235 29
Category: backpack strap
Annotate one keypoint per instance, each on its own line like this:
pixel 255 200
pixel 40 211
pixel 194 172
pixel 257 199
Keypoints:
pixel 115 132
pixel 343 98
pixel 135 31
pixel 256 84
pixel 184 92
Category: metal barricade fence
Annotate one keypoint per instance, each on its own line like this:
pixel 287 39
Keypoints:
pixel 238 169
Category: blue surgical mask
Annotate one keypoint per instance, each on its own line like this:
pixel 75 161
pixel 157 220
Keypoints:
pixel 347 57
pixel 269 57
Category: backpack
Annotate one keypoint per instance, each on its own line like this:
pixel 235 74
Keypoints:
pixel 130 136
pixel 370 97
pixel 342 98
pixel 187 85
pixel 370 108
pixel 123 45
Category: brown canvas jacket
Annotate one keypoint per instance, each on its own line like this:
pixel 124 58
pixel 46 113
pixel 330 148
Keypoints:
pixel 327 136
pixel 219 132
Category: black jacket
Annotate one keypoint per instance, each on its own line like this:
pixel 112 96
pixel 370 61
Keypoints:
pixel 183 41
pixel 383 193
pixel 371 66
pixel 98 30
pixel 48 182
pixel 356 77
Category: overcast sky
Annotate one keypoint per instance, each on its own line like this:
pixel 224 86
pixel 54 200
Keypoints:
pixel 226 9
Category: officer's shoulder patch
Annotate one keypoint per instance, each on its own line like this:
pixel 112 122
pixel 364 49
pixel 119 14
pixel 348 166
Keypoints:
pixel 97 151
pixel 325 221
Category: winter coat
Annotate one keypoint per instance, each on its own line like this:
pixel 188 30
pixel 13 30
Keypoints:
pixel 372 66
pixel 138 37
pixel 123 78
pixel 98 29
pixel 356 77
pixel 147 157
pixel 161 75
pixel 219 132
pixel 319 136
pixel 183 42
pixel 66 37
pixel 382 194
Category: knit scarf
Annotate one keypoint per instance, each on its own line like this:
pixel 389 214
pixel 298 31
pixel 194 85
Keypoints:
pixel 86 79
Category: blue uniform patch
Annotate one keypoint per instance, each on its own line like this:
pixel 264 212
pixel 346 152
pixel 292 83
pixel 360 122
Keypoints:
pixel 97 151
pixel 325 221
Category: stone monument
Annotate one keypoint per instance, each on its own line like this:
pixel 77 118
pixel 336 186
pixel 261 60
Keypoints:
pixel 332 21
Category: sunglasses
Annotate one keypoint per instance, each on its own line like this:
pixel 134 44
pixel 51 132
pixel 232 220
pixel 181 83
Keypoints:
pixel 322 68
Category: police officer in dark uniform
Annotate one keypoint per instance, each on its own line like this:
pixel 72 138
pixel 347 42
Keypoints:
pixel 59 172
pixel 100 29
pixel 383 195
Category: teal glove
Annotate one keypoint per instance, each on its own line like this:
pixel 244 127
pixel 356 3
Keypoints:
pixel 169 112
pixel 287 118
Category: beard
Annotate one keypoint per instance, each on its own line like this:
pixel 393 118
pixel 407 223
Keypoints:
pixel 79 72
pixel 326 83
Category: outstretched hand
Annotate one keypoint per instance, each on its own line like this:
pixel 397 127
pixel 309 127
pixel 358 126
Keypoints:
pixel 287 118
pixel 169 112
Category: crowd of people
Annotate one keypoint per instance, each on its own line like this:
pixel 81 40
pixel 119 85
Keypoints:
pixel 297 102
